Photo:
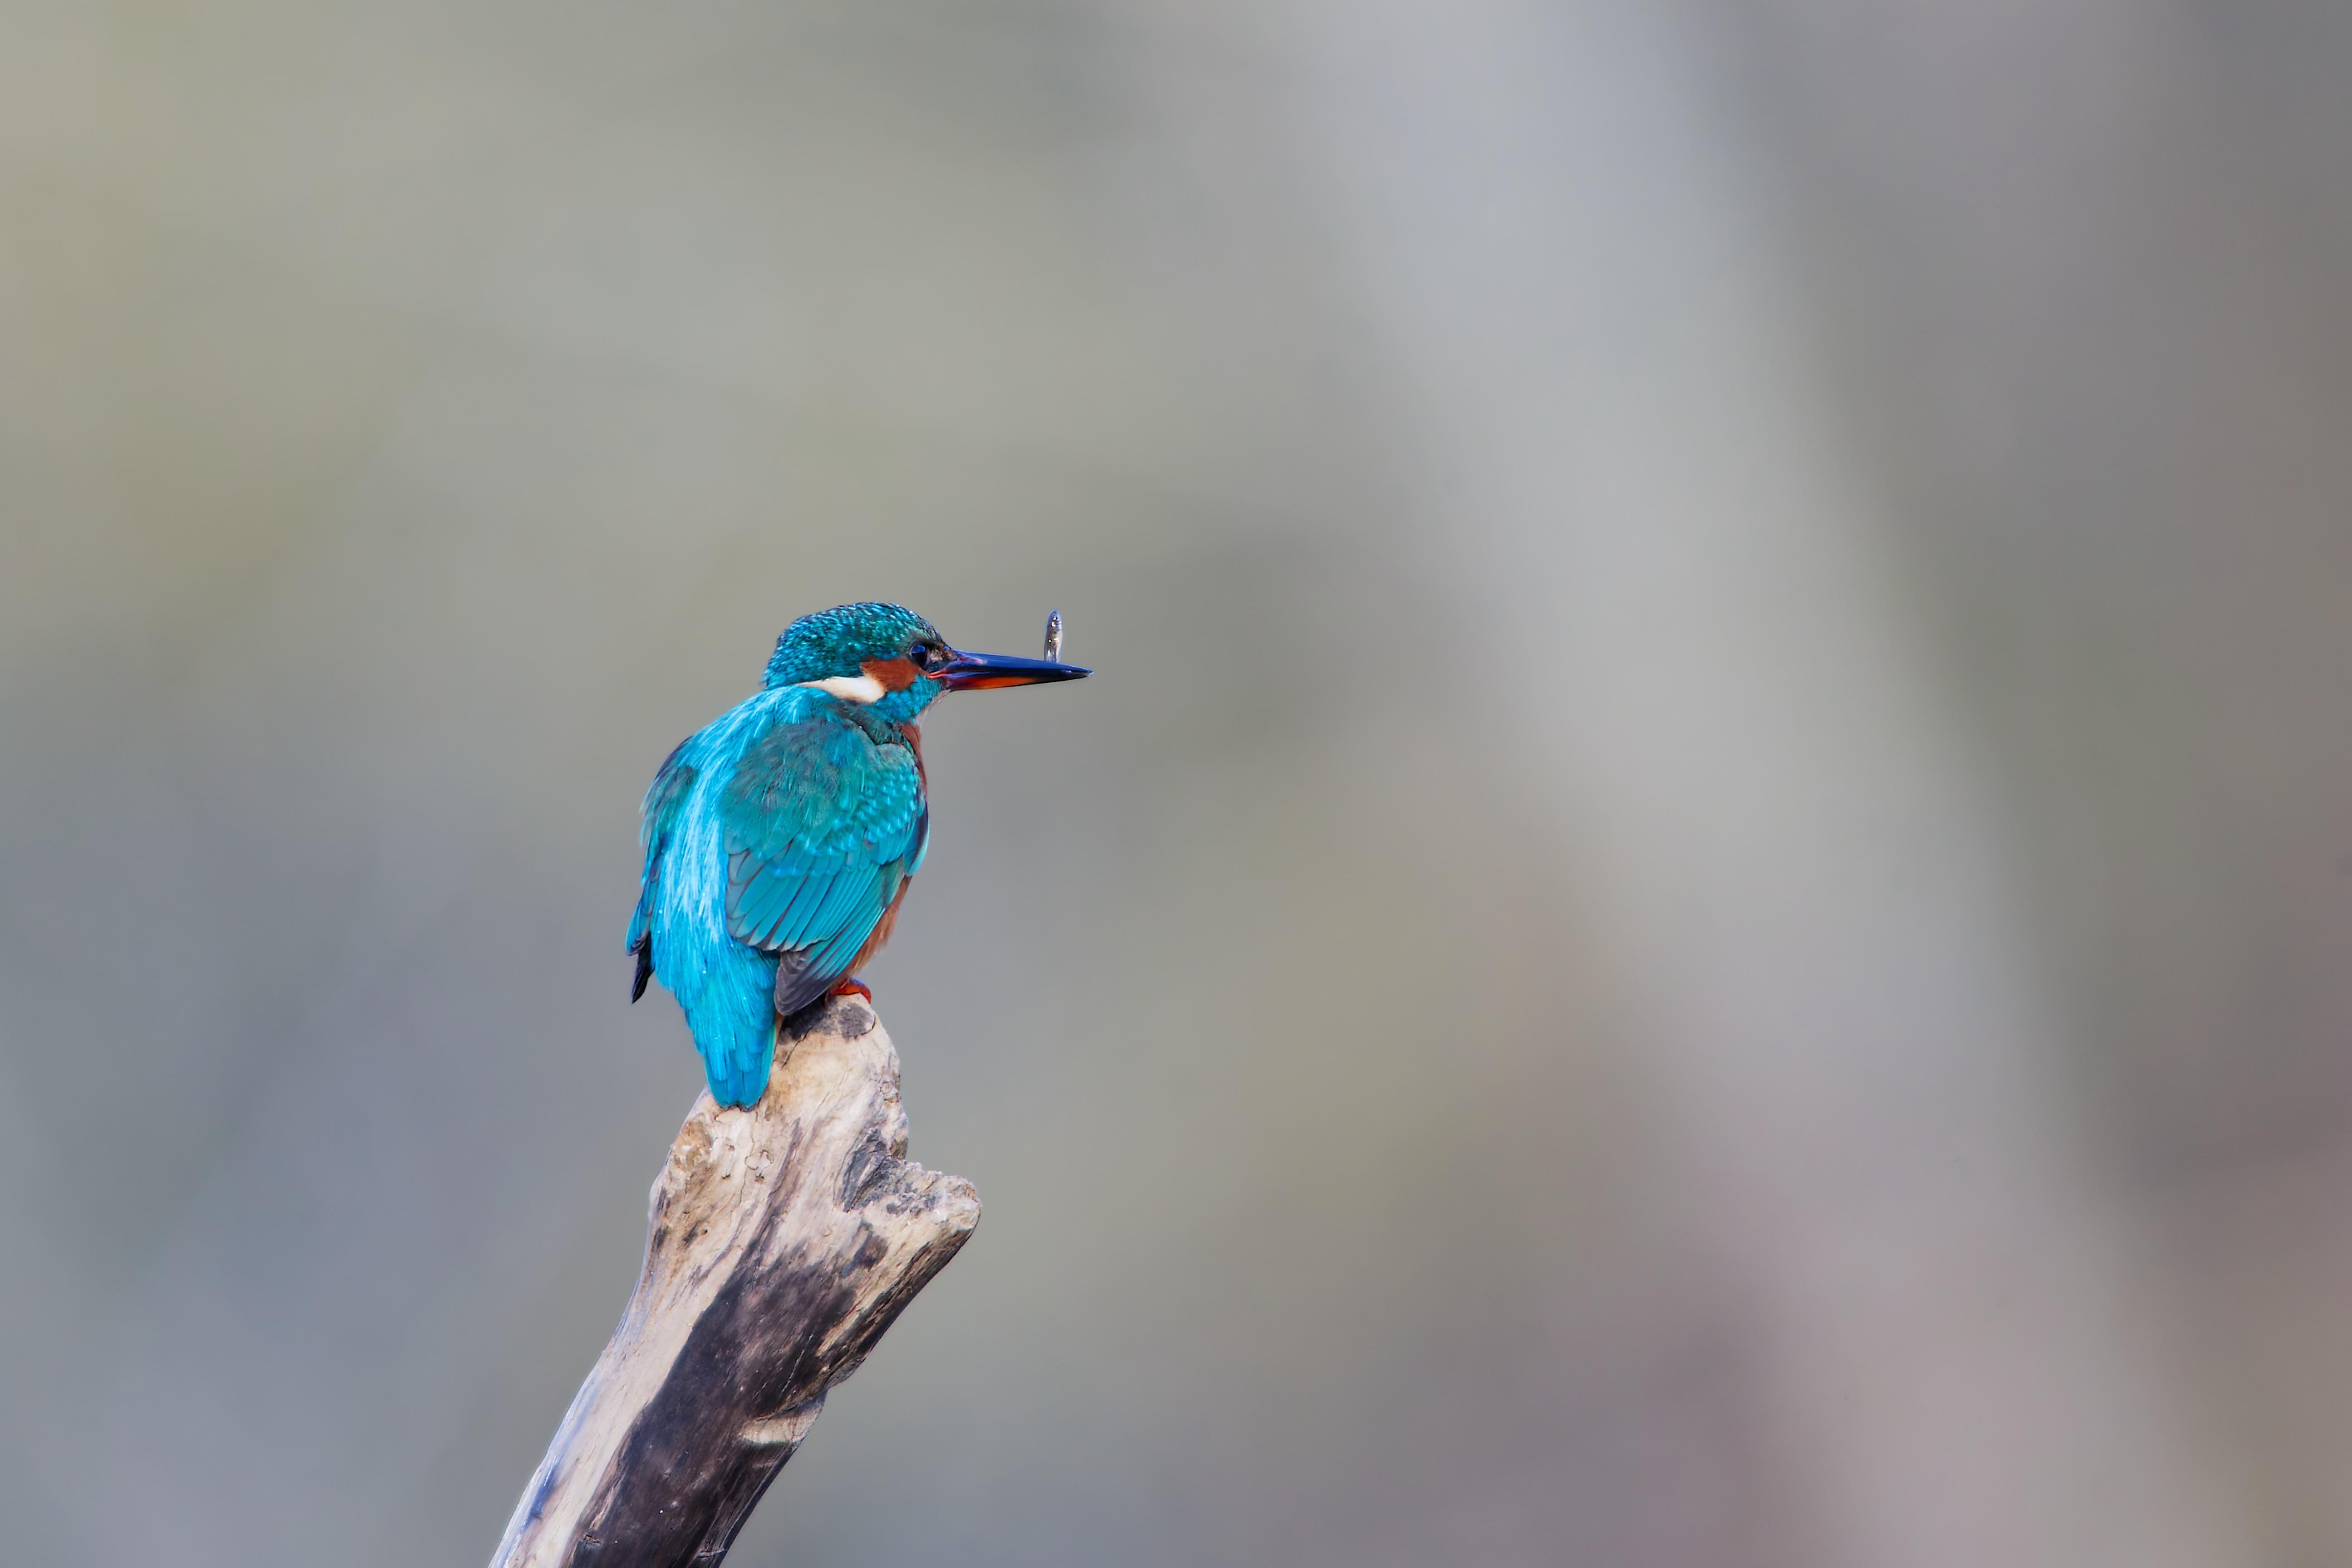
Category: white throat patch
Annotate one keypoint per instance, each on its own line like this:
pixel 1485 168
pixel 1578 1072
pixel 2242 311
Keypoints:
pixel 850 688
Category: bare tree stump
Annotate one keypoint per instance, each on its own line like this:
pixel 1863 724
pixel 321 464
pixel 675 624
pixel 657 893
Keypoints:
pixel 785 1238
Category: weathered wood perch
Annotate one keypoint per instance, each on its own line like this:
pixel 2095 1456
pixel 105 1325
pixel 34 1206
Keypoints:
pixel 785 1238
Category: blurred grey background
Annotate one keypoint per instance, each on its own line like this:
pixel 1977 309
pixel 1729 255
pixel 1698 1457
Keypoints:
pixel 1702 914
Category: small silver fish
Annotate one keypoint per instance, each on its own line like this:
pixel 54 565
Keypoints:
pixel 1053 637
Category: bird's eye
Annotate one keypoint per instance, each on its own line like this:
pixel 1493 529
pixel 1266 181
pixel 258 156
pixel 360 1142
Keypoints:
pixel 923 655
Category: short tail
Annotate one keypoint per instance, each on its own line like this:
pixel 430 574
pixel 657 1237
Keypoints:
pixel 727 991
pixel 743 1083
pixel 737 1038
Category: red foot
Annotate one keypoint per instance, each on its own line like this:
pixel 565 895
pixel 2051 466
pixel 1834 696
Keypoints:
pixel 851 988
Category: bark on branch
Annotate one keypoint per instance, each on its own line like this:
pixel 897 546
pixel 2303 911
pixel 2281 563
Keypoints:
pixel 785 1238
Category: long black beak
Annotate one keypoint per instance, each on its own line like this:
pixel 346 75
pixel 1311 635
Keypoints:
pixel 984 672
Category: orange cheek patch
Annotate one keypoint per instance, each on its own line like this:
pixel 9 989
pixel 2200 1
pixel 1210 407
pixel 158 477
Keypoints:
pixel 895 674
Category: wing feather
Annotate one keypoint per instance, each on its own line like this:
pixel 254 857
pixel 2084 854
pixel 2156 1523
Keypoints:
pixel 823 820
pixel 671 782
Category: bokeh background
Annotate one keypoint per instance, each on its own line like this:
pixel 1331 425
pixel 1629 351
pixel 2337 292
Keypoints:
pixel 1702 914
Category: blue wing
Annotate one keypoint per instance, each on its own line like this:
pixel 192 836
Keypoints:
pixel 822 822
pixel 663 802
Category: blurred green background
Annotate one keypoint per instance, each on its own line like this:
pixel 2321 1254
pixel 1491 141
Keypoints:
pixel 1701 916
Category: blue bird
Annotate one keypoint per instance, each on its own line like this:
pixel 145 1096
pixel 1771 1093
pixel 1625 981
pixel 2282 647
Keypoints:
pixel 779 839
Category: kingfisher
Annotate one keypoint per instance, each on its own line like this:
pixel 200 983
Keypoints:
pixel 779 839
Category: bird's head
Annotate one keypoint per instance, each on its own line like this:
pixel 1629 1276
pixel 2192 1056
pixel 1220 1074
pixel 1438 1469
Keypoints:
pixel 890 658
